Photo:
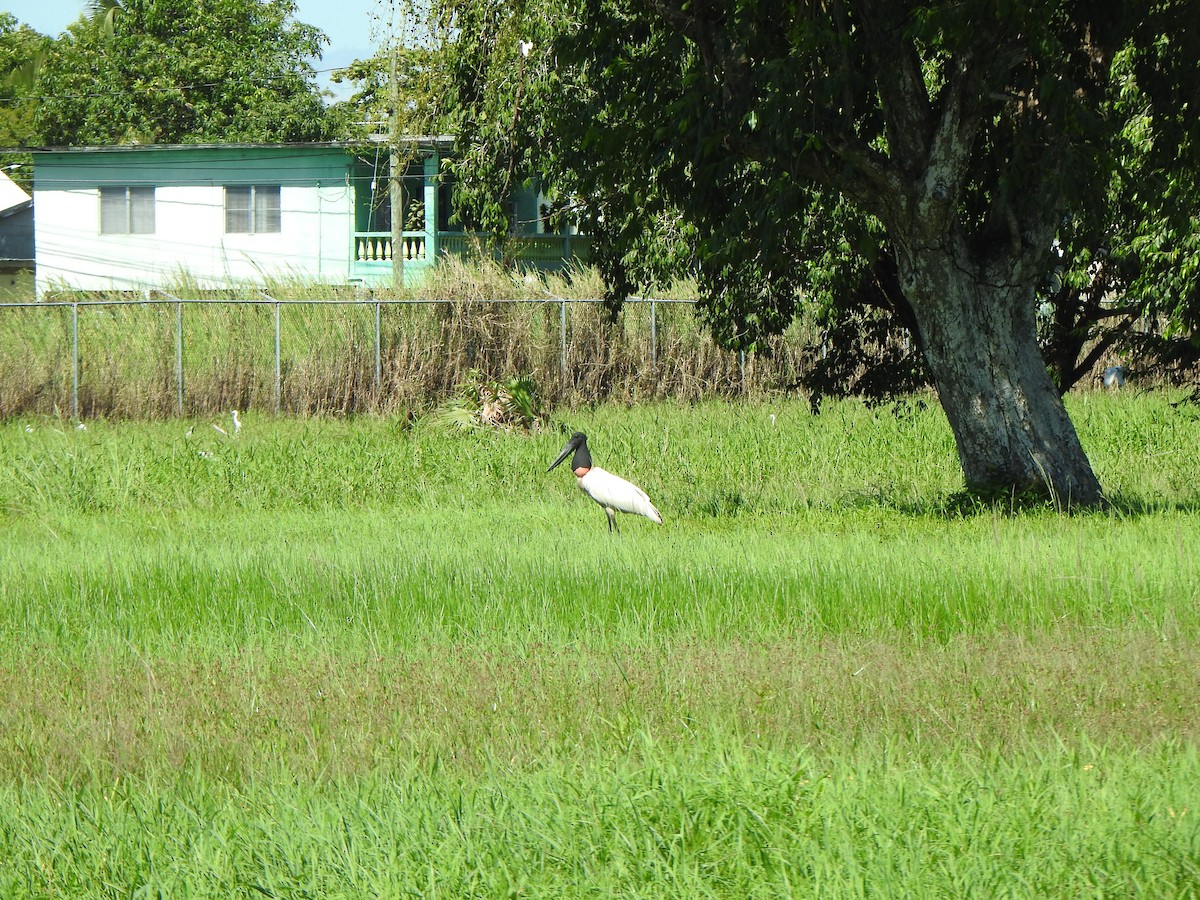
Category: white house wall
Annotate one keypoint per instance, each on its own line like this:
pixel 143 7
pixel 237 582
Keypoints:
pixel 189 243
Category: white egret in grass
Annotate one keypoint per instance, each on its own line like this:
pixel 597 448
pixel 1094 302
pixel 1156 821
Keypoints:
pixel 237 422
pixel 613 493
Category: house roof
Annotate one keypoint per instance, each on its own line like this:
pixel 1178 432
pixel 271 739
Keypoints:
pixel 432 141
pixel 12 198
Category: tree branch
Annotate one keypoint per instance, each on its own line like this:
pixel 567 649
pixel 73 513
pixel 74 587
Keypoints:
pixel 907 111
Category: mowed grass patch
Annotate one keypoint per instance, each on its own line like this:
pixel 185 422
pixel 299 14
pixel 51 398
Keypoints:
pixel 467 707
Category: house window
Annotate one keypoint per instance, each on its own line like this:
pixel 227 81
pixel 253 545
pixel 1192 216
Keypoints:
pixel 252 209
pixel 126 210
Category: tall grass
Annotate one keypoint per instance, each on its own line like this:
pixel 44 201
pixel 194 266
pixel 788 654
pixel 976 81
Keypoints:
pixel 719 823
pixel 370 656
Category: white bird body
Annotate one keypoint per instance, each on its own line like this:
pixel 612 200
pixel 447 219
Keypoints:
pixel 613 493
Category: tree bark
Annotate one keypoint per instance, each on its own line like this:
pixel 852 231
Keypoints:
pixel 979 337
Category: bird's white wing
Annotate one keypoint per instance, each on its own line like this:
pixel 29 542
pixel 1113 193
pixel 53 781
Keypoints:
pixel 616 493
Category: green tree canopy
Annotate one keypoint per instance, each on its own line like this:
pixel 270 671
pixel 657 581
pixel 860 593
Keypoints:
pixel 779 149
pixel 22 51
pixel 1128 261
pixel 409 81
pixel 173 71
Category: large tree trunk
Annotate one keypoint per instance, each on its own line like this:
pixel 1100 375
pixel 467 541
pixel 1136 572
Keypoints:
pixel 980 342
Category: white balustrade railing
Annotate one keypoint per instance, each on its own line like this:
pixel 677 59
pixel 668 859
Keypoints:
pixel 377 247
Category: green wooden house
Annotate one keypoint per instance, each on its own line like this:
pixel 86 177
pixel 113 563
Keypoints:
pixel 235 215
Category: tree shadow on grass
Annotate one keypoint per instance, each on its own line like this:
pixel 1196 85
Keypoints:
pixel 968 504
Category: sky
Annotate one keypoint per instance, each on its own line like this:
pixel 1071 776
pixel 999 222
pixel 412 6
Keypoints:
pixel 347 24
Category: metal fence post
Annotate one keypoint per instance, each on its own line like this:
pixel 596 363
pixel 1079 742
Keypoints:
pixel 653 338
pixel 563 348
pixel 179 354
pixel 378 354
pixel 75 360
pixel 278 375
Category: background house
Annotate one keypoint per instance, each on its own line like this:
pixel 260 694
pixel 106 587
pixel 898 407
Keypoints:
pixel 144 217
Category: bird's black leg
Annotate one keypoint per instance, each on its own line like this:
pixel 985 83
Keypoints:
pixel 612 521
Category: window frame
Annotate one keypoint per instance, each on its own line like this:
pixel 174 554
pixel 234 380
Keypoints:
pixel 130 209
pixel 262 210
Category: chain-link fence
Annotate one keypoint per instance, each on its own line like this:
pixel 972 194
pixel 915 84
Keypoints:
pixel 164 355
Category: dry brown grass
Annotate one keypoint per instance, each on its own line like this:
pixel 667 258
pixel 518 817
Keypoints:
pixel 465 317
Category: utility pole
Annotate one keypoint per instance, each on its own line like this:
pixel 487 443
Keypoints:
pixel 396 187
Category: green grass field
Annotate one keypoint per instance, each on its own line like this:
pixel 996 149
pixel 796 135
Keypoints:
pixel 330 658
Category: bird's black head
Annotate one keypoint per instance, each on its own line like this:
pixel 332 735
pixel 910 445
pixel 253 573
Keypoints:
pixel 578 443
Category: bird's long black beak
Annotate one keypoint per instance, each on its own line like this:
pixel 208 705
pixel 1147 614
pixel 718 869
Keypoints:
pixel 577 440
pixel 566 451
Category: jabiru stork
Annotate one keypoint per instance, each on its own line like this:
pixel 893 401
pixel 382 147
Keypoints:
pixel 612 492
